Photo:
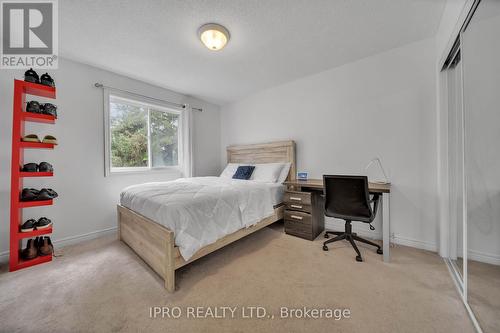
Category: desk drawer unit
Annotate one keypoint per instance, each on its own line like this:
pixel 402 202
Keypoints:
pixel 300 198
pixel 298 224
pixel 303 214
pixel 298 207
pixel 298 217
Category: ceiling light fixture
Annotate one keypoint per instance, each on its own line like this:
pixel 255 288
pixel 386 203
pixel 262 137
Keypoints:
pixel 214 36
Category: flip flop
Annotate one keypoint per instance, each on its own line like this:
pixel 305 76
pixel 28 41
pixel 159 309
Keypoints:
pixel 30 138
pixel 50 139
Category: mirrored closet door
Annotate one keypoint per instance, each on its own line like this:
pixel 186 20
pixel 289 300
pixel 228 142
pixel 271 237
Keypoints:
pixel 456 162
pixel 480 48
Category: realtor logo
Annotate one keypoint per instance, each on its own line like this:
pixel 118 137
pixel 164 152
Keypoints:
pixel 29 34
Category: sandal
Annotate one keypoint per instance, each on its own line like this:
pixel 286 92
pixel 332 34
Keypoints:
pixel 30 138
pixel 50 139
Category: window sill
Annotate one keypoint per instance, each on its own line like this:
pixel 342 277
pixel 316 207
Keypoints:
pixel 153 171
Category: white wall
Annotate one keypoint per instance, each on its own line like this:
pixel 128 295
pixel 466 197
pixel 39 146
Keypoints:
pixel 384 106
pixel 87 201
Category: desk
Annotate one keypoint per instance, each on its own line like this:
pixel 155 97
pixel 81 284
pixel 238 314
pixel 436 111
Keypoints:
pixel 383 189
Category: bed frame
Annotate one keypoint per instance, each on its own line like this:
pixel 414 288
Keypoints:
pixel 155 244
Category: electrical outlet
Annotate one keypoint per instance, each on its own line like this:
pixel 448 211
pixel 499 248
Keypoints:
pixel 392 236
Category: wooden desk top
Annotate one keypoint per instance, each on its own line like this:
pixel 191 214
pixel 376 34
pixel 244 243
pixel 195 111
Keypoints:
pixel 318 183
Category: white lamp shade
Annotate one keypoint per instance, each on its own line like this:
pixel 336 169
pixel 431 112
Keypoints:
pixel 213 36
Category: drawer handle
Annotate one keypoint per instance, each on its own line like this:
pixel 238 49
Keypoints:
pixel 296 217
pixel 296 206
pixel 296 198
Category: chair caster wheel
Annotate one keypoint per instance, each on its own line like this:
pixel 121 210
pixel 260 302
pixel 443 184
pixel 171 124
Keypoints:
pixel 325 248
pixel 358 258
pixel 326 236
pixel 379 251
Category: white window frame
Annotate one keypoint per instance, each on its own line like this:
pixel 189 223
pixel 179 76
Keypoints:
pixel 149 104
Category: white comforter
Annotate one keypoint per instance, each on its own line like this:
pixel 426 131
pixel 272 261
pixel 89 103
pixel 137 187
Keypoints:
pixel 200 210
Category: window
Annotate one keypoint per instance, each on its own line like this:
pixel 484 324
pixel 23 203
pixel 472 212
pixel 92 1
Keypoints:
pixel 141 136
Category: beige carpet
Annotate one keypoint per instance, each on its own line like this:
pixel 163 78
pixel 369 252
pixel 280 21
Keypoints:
pixel 484 294
pixel 102 286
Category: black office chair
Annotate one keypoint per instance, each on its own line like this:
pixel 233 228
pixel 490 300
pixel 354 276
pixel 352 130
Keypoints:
pixel 347 198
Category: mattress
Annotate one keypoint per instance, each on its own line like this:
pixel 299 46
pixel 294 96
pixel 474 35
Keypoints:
pixel 201 210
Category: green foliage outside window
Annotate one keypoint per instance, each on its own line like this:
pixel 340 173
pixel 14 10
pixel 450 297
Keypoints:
pixel 164 145
pixel 129 136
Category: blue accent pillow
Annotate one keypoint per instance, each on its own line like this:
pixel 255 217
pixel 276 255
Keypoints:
pixel 244 172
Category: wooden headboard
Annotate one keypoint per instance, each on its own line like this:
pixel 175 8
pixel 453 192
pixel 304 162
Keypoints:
pixel 272 152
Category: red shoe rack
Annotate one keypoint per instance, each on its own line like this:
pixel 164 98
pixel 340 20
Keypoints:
pixel 21 89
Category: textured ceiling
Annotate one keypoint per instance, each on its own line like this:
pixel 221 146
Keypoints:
pixel 272 41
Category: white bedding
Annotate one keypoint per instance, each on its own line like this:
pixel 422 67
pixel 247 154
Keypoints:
pixel 201 210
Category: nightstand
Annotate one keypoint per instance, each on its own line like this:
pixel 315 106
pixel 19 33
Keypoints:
pixel 304 215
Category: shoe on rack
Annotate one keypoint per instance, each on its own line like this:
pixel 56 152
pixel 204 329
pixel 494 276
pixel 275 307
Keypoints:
pixel 37 242
pixel 45 247
pixel 46 194
pixel 50 139
pixel 28 225
pixel 43 223
pixel 30 167
pixel 29 194
pixel 30 138
pixel 45 167
pixel 33 107
pixel 31 251
pixel 49 109
pixel 31 76
pixel 47 80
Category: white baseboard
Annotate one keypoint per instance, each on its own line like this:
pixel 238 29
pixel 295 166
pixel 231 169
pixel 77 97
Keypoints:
pixel 416 243
pixel 338 225
pixel 4 256
pixel 487 258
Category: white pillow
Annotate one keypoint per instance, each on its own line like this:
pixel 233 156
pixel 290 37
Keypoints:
pixel 230 170
pixel 284 172
pixel 267 173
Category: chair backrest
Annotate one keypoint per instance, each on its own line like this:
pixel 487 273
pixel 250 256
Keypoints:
pixel 347 198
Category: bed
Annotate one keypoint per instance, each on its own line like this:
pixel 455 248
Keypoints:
pixel 149 228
